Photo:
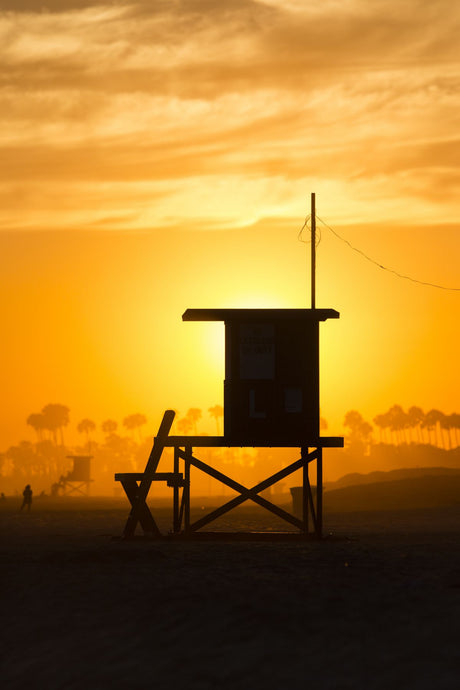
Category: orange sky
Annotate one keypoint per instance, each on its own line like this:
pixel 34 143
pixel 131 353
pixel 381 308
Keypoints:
pixel 157 156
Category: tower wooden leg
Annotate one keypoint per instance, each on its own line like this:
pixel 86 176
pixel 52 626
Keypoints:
pixel 186 494
pixel 305 491
pixel 176 521
pixel 319 493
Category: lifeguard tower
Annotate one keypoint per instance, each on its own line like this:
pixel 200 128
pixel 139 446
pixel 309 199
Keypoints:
pixel 271 399
pixel 78 479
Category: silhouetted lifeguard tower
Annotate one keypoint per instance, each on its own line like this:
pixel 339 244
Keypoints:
pixel 78 479
pixel 271 399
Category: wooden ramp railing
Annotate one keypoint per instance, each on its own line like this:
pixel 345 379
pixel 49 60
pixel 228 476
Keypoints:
pixel 137 484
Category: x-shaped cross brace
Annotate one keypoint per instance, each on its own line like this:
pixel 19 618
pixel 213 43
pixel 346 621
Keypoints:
pixel 245 493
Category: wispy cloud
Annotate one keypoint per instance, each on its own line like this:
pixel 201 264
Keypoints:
pixel 112 105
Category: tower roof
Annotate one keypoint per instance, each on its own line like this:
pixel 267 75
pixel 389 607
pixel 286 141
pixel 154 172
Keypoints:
pixel 259 314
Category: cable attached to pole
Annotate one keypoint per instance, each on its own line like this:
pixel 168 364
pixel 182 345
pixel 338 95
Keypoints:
pixel 385 268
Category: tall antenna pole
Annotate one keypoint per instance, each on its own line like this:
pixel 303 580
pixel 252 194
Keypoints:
pixel 313 251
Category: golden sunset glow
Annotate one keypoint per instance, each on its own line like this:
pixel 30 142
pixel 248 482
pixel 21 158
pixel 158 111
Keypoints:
pixel 159 156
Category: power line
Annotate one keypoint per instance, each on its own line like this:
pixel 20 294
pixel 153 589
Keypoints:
pixel 376 263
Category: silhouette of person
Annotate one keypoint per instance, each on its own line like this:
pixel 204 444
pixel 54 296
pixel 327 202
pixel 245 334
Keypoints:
pixel 27 493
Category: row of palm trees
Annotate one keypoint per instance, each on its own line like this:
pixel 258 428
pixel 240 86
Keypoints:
pixel 434 428
pixel 50 422
pixel 189 422
pixel 396 426
pixel 132 422
pixel 53 418
pixel 48 457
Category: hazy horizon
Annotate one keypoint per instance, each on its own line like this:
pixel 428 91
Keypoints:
pixel 160 156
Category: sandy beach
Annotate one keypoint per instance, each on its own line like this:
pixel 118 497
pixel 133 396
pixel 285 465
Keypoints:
pixel 375 604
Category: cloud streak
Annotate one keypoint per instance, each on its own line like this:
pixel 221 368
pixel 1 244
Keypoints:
pixel 170 95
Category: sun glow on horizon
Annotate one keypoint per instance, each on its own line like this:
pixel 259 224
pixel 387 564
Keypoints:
pixel 167 163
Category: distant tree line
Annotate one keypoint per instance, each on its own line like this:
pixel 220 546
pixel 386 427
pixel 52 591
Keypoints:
pixel 46 460
pixel 414 426
pixel 397 427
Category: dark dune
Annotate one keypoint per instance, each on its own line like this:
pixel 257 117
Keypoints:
pixel 427 490
pixel 375 604
pixel 356 478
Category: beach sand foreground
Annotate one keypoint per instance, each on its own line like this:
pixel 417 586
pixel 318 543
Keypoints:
pixel 376 604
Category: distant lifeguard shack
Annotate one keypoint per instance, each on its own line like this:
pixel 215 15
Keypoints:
pixel 78 479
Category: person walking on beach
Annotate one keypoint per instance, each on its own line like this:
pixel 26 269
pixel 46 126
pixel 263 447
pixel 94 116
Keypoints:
pixel 27 493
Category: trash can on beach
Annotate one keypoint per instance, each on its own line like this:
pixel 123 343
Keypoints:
pixel 296 493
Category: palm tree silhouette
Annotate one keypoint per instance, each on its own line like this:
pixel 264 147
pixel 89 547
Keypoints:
pixel 381 422
pixel 55 418
pixel 194 415
pixel 184 425
pixel 135 421
pixel 86 426
pixel 37 422
pixel 109 426
pixel 431 422
pixel 446 425
pixel 416 416
pixel 398 422
pixel 359 437
pixel 455 423
pixel 217 412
